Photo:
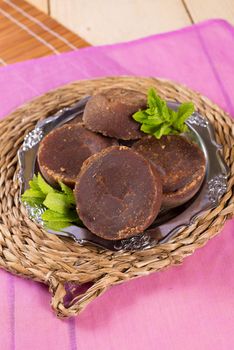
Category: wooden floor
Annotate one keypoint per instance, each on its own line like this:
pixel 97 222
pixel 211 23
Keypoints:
pixel 110 21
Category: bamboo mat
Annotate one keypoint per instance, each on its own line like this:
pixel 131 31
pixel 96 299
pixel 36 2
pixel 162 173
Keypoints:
pixel 26 32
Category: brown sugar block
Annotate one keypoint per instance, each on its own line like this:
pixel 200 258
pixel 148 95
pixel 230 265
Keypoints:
pixel 110 113
pixel 184 194
pixel 180 162
pixel 118 193
pixel 77 119
pixel 62 152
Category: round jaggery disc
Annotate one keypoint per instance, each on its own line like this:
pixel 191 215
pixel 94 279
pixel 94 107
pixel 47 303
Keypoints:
pixel 118 193
pixel 77 119
pixel 181 164
pixel 62 152
pixel 110 113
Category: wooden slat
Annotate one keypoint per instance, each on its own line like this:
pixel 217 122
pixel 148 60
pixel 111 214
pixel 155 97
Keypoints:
pixel 205 9
pixel 109 21
pixel 28 33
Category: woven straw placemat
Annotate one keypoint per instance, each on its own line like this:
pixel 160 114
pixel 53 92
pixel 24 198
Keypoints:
pixel 78 274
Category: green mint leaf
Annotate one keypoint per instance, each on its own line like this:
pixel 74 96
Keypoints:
pixel 31 193
pixel 158 119
pixel 33 201
pixel 164 130
pixel 50 215
pixel 185 110
pixel 34 184
pixel 44 186
pixel 148 129
pixel 140 116
pixel 68 191
pixel 173 116
pixel 154 120
pixel 184 128
pixel 154 102
pixel 159 103
pixel 60 205
pixel 33 196
pixel 166 113
pixel 57 225
pixel 57 202
pixel 151 99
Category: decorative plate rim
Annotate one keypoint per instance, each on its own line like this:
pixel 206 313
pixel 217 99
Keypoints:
pixel 212 189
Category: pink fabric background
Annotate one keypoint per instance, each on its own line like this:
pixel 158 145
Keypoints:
pixel 186 307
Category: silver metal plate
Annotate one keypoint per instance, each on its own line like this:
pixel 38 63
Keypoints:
pixel 168 223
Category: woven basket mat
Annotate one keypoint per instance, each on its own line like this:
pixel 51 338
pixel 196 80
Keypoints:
pixel 65 266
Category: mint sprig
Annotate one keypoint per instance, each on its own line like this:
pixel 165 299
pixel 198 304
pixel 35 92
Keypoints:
pixel 60 210
pixel 158 119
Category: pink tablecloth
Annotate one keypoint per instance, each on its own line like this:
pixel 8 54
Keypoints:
pixel 186 307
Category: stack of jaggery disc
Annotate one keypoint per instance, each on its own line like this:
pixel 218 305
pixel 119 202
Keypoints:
pixel 121 177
